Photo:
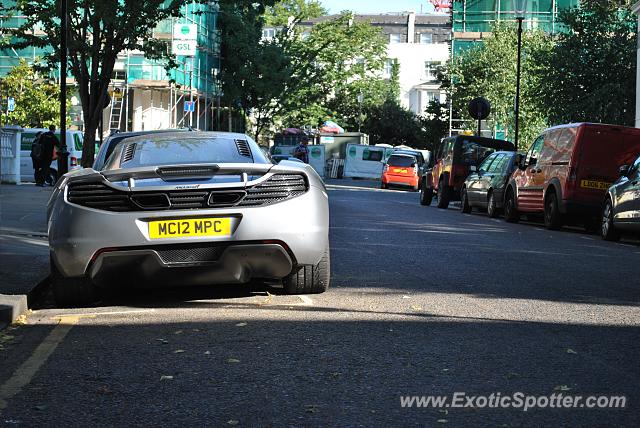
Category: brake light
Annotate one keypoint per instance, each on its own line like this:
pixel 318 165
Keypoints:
pixel 386 168
pixel 74 161
pixel 415 170
pixel 573 175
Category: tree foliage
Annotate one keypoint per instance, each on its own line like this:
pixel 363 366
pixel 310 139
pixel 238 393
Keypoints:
pixel 278 15
pixel 37 99
pixel 435 123
pixel 489 70
pixel 98 32
pixel 590 75
pixel 390 123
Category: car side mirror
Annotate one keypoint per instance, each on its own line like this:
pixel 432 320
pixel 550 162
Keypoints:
pixel 624 170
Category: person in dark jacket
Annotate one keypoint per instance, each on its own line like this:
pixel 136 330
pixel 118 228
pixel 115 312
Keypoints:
pixel 36 158
pixel 49 143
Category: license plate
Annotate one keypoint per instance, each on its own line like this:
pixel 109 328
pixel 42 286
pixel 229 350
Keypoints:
pixel 402 171
pixel 189 227
pixel 594 184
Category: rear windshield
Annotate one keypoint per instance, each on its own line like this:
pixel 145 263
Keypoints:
pixel 473 153
pixel 165 151
pixel 395 160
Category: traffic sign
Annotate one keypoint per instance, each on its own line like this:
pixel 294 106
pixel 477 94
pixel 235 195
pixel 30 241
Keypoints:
pixel 185 32
pixel 189 106
pixel 11 104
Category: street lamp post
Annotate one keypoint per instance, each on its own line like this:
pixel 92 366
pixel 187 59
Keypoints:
pixel 360 100
pixel 520 7
pixel 63 166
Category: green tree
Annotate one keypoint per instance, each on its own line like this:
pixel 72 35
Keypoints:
pixel 390 123
pixel 37 99
pixel 435 123
pixel 489 70
pixel 98 32
pixel 278 15
pixel 338 59
pixel 590 74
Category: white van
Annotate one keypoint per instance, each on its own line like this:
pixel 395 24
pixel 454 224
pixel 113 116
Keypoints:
pixel 74 146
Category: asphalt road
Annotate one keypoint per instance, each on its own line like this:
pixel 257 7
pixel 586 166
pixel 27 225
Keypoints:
pixel 423 302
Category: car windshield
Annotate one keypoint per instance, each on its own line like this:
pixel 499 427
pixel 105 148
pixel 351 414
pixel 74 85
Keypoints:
pixel 396 160
pixel 174 151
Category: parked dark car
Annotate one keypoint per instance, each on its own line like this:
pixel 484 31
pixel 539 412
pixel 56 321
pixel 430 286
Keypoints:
pixel 484 188
pixel 451 163
pixel 622 204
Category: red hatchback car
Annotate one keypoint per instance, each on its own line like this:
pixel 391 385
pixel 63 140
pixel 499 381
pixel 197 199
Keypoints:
pixel 567 171
pixel 401 170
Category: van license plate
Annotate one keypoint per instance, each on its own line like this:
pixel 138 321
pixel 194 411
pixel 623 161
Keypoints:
pixel 190 227
pixel 594 184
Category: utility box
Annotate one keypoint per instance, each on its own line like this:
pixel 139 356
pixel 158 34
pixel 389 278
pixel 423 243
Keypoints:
pixel 336 144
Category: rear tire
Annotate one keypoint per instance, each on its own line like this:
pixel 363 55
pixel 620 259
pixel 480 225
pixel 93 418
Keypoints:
pixel 510 211
pixel 465 208
pixel 552 216
pixel 426 195
pixel 72 292
pixel 492 208
pixel 310 279
pixel 443 195
pixel 608 230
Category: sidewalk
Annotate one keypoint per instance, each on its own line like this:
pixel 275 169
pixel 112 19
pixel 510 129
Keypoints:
pixel 24 250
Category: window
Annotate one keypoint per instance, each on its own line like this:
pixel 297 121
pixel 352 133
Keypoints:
pixel 401 160
pixel 472 153
pixel 426 38
pixel 268 33
pixel 498 165
pixel 395 38
pixel 534 151
pixel 372 155
pixel 486 164
pixel 388 68
pixel 430 68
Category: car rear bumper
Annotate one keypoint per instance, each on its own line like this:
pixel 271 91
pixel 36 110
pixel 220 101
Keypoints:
pixel 80 236
pixel 400 180
pixel 201 265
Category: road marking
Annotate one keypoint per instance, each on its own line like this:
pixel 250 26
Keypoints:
pixel 25 373
pixel 95 314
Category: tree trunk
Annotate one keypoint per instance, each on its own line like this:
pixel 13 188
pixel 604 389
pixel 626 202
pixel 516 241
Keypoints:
pixel 88 147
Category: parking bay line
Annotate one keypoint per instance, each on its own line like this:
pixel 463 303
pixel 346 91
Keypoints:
pixel 25 373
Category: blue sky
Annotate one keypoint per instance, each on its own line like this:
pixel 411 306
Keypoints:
pixel 376 6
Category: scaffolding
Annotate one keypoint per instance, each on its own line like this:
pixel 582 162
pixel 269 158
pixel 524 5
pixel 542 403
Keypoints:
pixel 144 94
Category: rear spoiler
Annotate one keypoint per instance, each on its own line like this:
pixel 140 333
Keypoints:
pixel 182 172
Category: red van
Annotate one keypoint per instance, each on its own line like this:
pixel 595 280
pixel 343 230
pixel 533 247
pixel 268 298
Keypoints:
pixel 567 171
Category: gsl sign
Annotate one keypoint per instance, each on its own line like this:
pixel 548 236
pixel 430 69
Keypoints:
pixel 184 47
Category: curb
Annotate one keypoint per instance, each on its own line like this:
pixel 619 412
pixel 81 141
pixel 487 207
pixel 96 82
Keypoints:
pixel 14 305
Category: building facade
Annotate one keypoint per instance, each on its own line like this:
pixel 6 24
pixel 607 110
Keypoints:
pixel 418 42
pixel 145 95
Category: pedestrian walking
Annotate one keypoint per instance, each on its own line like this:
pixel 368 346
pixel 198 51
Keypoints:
pixel 302 151
pixel 50 144
pixel 36 158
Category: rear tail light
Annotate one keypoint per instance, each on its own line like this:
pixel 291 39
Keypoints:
pixel 74 161
pixel 573 176
pixel 386 168
pixel 415 170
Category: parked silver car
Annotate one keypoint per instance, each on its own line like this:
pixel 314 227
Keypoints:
pixel 190 208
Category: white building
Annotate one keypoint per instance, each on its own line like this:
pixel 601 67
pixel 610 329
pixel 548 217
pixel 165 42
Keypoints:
pixel 418 42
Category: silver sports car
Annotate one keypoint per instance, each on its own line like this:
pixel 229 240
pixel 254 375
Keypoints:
pixel 197 208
